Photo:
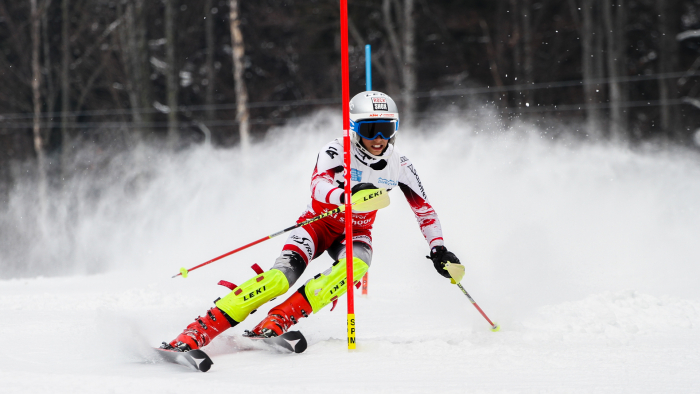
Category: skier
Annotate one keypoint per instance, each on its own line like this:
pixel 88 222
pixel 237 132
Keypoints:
pixel 376 162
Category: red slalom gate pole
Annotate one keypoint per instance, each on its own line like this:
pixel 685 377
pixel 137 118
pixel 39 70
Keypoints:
pixel 345 67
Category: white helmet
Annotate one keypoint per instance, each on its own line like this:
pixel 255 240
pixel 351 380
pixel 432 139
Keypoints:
pixel 373 114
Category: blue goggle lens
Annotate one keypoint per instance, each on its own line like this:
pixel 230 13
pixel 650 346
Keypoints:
pixel 375 128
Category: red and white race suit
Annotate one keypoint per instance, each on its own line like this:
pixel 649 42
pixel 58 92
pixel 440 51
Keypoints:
pixel 389 170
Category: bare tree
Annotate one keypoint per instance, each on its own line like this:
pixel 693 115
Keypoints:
pixel 399 21
pixel 65 84
pixel 528 52
pixel 36 98
pixel 135 55
pixel 142 59
pixel 668 62
pixel 613 57
pixel 391 31
pixel 210 49
pixel 410 80
pixel 516 40
pixel 491 55
pixel 238 74
pixel 106 78
pixel 590 71
pixel 129 56
pixel 171 74
pixel 621 59
pixel 49 86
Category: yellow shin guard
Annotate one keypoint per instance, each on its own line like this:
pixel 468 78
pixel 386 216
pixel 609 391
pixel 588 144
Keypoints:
pixel 253 293
pixel 326 287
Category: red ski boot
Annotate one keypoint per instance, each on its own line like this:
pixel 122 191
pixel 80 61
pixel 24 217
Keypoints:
pixel 283 316
pixel 202 331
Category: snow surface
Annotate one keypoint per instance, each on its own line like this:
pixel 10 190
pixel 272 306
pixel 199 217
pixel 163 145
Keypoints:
pixel 586 254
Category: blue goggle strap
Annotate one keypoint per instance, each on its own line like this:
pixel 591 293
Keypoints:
pixel 355 126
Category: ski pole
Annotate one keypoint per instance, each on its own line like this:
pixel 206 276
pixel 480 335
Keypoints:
pixel 494 326
pixel 368 199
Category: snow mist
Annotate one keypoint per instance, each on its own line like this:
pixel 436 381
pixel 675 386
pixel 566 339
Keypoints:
pixel 534 221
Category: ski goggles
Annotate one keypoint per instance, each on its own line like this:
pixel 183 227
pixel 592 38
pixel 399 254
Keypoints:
pixel 371 129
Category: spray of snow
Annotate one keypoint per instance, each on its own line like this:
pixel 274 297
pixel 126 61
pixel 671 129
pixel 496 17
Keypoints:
pixel 584 253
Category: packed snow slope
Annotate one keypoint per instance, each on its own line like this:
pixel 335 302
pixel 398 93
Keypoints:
pixel 586 254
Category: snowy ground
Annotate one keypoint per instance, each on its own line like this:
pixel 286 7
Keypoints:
pixel 586 255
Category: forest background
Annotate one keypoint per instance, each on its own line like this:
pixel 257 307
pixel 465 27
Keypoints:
pixel 109 75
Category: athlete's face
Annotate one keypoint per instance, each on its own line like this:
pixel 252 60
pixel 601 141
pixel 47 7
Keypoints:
pixel 375 146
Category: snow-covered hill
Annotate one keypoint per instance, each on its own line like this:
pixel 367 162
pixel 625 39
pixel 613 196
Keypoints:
pixel 585 254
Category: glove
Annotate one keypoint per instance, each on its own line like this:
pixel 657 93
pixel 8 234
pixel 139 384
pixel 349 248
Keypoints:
pixel 357 188
pixel 440 256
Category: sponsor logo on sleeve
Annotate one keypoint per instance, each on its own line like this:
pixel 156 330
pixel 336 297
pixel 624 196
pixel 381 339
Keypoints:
pixel 332 152
pixel 388 182
pixel 404 160
pixel 420 185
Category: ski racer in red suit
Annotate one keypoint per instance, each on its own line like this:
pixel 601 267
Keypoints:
pixel 376 163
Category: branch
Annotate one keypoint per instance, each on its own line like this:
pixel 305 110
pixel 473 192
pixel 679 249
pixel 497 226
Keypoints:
pixel 688 34
pixel 15 38
pixel 87 88
pixel 393 39
pixel 574 15
pixel 692 101
pixel 112 26
pixel 355 33
pixel 490 51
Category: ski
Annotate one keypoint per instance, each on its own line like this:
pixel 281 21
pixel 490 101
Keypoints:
pixel 291 341
pixel 195 359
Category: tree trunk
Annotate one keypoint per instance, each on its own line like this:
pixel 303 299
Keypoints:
pixel 588 38
pixel 130 54
pixel 517 45
pixel 621 56
pixel 409 64
pixel 65 87
pixel 668 62
pixel 493 64
pixel 144 60
pixel 142 65
pixel 211 46
pixel 50 99
pixel 394 47
pixel 528 58
pixel 599 53
pixel 36 96
pixel 615 97
pixel 238 75
pixel 171 75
